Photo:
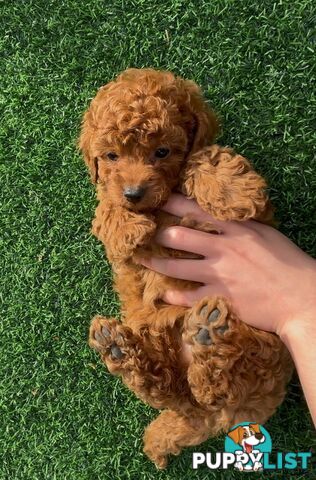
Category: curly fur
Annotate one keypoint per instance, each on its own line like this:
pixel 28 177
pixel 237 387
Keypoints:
pixel 242 373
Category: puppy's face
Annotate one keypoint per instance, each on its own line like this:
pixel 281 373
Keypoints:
pixel 138 132
pixel 139 164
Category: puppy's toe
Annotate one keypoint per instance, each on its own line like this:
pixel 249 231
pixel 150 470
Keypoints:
pixel 105 331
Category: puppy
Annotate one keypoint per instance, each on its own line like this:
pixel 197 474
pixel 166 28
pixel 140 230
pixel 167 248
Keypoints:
pixel 146 134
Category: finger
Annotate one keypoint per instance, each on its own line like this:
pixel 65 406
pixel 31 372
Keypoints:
pixel 187 298
pixel 188 240
pixel 180 206
pixel 176 268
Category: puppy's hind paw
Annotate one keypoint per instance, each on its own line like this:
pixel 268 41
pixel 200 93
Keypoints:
pixel 116 342
pixel 207 323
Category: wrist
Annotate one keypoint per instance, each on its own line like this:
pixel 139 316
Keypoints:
pixel 301 318
pixel 300 329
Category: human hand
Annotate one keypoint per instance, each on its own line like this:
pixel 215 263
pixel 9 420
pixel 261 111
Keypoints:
pixel 267 278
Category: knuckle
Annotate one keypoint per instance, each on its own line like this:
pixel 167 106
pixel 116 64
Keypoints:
pixel 175 234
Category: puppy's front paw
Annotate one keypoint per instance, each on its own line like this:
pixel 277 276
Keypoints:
pixel 226 186
pixel 134 234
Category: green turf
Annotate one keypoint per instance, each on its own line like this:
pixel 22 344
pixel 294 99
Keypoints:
pixel 62 416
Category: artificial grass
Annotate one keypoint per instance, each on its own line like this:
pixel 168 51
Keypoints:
pixel 62 415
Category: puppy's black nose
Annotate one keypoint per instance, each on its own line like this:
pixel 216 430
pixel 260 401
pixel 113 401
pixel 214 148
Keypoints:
pixel 134 194
pixel 258 435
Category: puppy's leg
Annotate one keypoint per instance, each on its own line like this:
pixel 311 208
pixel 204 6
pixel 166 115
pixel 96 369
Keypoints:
pixel 147 365
pixel 225 185
pixel 209 329
pixel 172 431
pixel 236 372
pixel 122 231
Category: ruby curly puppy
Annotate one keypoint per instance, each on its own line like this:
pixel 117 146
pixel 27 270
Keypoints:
pixel 146 134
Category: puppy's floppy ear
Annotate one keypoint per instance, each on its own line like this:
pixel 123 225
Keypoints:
pixel 84 144
pixel 91 119
pixel 202 123
pixel 236 434
pixel 256 427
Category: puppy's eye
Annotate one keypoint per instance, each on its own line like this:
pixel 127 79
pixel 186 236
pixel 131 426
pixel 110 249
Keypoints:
pixel 112 156
pixel 162 152
pixel 245 435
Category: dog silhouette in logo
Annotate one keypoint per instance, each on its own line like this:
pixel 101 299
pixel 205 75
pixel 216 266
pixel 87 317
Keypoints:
pixel 247 436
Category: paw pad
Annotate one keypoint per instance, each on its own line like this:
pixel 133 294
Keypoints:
pixel 213 315
pixel 203 337
pixel 105 332
pixel 221 330
pixel 98 337
pixel 116 352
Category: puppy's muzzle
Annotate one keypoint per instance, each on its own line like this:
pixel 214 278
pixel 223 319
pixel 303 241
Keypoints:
pixel 134 194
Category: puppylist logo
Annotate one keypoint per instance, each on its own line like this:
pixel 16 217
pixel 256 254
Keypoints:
pixel 248 448
pixel 248 442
